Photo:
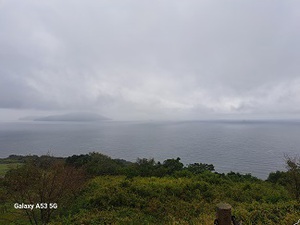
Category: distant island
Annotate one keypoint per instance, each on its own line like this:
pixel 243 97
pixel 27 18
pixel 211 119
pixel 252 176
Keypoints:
pixel 69 117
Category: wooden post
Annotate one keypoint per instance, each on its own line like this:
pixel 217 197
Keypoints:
pixel 224 214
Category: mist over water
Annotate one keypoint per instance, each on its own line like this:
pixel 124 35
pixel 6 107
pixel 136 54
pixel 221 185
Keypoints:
pixel 254 147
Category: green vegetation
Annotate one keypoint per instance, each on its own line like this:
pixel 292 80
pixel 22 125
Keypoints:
pixel 7 166
pixel 9 163
pixel 95 189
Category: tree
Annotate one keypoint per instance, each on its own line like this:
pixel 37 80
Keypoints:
pixel 45 187
pixel 146 167
pixel 172 165
pixel 278 177
pixel 197 168
pixel 293 176
pixel 96 163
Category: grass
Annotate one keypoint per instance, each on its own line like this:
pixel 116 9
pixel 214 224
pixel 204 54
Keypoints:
pixel 4 167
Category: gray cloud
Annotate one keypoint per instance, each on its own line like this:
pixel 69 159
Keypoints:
pixel 150 59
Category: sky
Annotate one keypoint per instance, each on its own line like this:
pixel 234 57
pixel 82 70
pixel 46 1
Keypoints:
pixel 150 59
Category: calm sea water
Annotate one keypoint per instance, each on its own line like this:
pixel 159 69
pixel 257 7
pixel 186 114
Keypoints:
pixel 247 147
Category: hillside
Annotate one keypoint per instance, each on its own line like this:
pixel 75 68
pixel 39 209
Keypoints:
pixel 96 189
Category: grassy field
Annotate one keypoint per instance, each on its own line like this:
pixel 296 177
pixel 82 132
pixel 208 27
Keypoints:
pixel 4 167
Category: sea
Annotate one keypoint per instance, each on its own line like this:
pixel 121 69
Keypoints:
pixel 256 147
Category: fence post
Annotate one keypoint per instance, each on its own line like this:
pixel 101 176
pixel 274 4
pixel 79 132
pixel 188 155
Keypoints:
pixel 224 214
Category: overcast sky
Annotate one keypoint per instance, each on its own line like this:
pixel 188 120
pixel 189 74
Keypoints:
pixel 156 59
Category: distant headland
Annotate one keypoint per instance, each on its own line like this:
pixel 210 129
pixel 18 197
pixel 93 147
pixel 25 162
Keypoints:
pixel 69 117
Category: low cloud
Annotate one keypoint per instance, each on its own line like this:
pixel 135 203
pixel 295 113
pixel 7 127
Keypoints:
pixel 150 59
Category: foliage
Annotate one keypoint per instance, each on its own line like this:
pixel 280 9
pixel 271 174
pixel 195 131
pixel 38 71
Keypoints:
pixel 197 168
pixel 170 200
pixel 144 192
pixel 289 179
pixel 6 167
pixel 42 181
pixel 172 165
pixel 293 174
pixel 96 164
pixel 99 164
pixel 278 177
